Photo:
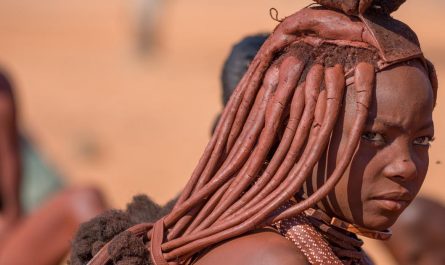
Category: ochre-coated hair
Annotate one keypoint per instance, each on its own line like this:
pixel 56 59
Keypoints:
pixel 273 131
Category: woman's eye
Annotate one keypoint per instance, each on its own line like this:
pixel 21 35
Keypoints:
pixel 373 137
pixel 423 140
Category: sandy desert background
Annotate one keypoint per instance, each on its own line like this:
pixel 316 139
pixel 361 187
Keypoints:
pixel 122 93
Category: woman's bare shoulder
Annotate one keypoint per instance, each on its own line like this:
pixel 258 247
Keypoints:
pixel 261 247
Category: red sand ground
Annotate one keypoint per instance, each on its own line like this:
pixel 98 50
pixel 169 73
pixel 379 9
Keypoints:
pixel 105 116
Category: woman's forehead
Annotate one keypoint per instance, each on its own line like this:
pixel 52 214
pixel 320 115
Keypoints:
pixel 403 96
pixel 403 84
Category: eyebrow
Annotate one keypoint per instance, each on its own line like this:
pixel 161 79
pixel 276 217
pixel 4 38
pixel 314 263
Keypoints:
pixel 385 123
pixel 390 124
pixel 427 125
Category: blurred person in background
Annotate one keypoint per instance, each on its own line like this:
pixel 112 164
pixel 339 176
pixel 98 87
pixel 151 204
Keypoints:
pixel 148 16
pixel 10 164
pixel 419 234
pixel 43 236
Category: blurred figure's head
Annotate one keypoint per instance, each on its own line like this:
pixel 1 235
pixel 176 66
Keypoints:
pixel 236 64
pixel 238 61
pixel 419 234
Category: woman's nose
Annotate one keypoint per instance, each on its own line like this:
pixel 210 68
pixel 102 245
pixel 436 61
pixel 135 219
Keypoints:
pixel 402 166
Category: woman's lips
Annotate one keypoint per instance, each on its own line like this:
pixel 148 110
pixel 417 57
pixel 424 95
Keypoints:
pixel 394 201
pixel 391 204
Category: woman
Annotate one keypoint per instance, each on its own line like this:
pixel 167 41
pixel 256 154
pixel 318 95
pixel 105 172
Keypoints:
pixel 325 137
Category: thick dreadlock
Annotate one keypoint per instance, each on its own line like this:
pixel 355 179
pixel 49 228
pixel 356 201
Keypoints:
pixel 292 91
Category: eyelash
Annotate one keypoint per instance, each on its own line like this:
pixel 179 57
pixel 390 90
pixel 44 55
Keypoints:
pixel 371 137
pixel 379 139
pixel 428 139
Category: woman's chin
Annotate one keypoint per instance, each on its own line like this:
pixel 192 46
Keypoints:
pixel 379 222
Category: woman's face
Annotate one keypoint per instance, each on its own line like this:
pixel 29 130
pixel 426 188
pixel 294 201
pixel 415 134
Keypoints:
pixel 391 161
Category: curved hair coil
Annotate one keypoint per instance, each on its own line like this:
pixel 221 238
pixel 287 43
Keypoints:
pixel 238 182
pixel 273 12
pixel 157 237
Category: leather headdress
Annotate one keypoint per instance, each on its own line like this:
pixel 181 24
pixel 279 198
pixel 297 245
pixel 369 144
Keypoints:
pixel 394 40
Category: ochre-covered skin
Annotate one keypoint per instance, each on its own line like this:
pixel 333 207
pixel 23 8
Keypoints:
pixel 389 164
pixel 289 115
